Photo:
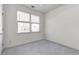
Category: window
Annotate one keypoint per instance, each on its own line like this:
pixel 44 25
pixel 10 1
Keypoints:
pixel 23 22
pixel 23 27
pixel 27 22
pixel 0 19
pixel 35 27
pixel 35 20
pixel 22 16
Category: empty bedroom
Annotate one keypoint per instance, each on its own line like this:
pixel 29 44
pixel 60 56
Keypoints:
pixel 39 29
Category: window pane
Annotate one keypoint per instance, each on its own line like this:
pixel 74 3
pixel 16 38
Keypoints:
pixel 0 19
pixel 23 27
pixel 35 19
pixel 35 27
pixel 22 16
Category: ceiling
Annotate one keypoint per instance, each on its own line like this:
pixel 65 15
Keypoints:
pixel 44 8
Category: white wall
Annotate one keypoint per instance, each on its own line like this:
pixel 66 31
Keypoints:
pixel 11 37
pixel 0 44
pixel 62 25
pixel 1 29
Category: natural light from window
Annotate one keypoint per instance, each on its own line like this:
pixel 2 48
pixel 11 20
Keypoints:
pixel 27 22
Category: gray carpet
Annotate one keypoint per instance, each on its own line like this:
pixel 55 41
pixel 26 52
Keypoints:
pixel 40 47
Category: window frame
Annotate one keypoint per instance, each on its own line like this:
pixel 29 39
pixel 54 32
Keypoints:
pixel 25 23
pixel 34 23
pixel 30 31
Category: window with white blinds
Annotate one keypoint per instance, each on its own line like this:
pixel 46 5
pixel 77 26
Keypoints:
pixel 28 22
